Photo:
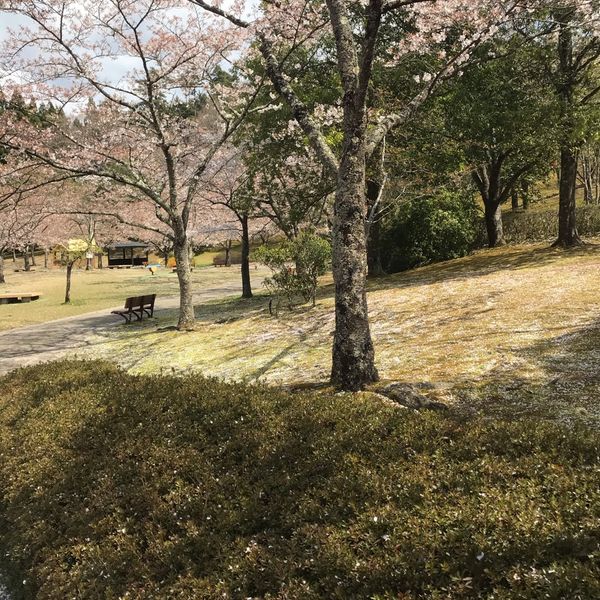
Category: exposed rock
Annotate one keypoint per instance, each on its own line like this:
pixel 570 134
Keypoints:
pixel 384 399
pixel 409 396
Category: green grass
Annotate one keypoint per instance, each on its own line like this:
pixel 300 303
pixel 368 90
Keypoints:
pixel 115 486
pixel 95 290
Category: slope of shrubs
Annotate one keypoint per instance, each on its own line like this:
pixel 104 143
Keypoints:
pixel 114 486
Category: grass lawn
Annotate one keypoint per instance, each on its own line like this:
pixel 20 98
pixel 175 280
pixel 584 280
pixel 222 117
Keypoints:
pixel 511 329
pixel 94 290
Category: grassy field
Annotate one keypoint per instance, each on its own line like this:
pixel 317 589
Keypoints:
pixel 511 329
pixel 93 290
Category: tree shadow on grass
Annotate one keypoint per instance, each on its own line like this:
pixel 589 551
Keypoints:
pixel 566 388
pixel 481 264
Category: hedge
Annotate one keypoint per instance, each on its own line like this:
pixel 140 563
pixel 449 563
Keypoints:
pixel 116 486
pixel 537 226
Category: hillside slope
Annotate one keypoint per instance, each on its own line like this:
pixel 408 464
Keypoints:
pixel 514 328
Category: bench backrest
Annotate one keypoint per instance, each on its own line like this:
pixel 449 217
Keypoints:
pixel 132 302
pixel 148 300
pixel 139 301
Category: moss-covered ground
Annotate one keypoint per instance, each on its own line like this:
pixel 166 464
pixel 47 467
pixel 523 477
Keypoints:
pixel 114 486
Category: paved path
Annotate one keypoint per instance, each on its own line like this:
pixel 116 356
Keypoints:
pixel 52 340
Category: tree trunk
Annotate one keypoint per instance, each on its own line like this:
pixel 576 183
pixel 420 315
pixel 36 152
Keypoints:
pixel 166 257
pixel 493 224
pixel 88 264
pixel 246 283
pixel 514 199
pixel 2 279
pixel 68 288
pixel 525 194
pixel 14 253
pixel 46 258
pixel 228 253
pixel 100 261
pixel 567 223
pixel 27 264
pixel 32 251
pixel 567 226
pixel 187 318
pixel 353 353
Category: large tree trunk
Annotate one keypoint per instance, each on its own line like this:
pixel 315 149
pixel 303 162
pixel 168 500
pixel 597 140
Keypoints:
pixel 2 279
pixel 32 251
pixel 46 258
pixel 493 224
pixel 187 318
pixel 353 354
pixel 100 260
pixel 26 263
pixel 246 283
pixel 68 288
pixel 567 227
pixel 567 223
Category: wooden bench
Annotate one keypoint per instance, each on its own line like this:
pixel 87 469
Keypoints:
pixel 137 306
pixel 219 261
pixel 18 297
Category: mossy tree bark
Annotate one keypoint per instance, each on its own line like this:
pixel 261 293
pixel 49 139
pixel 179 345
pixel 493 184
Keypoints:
pixel 353 360
pixel 353 353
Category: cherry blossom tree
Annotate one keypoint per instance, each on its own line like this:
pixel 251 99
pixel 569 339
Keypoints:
pixel 154 134
pixel 356 29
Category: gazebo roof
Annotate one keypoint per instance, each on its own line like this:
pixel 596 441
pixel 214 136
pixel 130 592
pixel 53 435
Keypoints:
pixel 128 245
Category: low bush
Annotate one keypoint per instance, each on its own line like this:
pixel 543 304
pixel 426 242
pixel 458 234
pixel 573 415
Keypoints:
pixel 115 486
pixel 537 226
pixel 296 265
pixel 433 228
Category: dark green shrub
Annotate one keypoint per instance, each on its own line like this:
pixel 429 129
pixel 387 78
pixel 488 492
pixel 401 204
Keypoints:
pixel 432 228
pixel 296 265
pixel 115 486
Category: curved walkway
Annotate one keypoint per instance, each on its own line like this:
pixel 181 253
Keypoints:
pixel 52 340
